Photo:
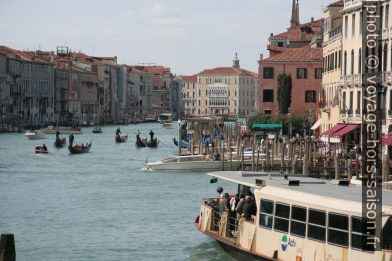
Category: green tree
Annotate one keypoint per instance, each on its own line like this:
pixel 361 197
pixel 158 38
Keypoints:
pixel 284 92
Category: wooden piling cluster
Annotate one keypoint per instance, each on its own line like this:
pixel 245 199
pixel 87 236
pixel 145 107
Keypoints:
pixel 242 150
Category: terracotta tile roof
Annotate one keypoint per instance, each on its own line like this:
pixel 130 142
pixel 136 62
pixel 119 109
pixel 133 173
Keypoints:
pixel 154 69
pixel 295 34
pixel 228 71
pixel 339 3
pixel 304 54
pixel 16 54
pixel 192 78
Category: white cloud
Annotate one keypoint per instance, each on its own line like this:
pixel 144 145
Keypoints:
pixel 158 10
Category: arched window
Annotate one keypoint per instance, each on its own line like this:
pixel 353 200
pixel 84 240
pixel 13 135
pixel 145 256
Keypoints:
pixel 352 62
pixel 345 63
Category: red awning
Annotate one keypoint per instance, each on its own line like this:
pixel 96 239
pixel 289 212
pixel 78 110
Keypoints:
pixel 348 128
pixel 334 129
pixel 387 140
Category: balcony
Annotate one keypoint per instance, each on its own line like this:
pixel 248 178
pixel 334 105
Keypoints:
pixel 358 79
pixel 385 33
pixel 342 80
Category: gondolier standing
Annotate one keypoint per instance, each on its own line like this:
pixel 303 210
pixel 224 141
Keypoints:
pixel 152 135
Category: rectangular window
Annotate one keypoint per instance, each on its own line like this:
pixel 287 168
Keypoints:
pixel 318 73
pixel 353 25
pixel 358 102
pixel 268 72
pixel 268 95
pixel 310 96
pixel 302 73
pixel 358 234
pixel 338 229
pixel 316 225
pixel 346 26
pixel 298 221
pixel 351 100
pixel 267 111
pixel 266 213
pixel 282 216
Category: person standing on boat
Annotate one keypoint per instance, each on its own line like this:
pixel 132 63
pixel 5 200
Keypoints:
pixel 240 206
pixel 224 205
pixel 118 132
pixel 71 139
pixel 44 147
pixel 152 134
pixel 247 212
pixel 220 192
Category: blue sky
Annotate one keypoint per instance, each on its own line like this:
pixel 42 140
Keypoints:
pixel 187 35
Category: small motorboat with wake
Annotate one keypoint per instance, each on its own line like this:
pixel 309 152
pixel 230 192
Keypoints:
pixel 41 150
pixel 35 135
pixel 60 142
pixel 97 129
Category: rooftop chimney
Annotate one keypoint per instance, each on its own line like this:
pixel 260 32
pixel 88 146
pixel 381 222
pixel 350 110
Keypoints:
pixel 312 19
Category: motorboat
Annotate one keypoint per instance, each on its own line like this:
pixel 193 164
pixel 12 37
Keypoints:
pixel 35 135
pixel 299 218
pixel 41 150
pixel 165 118
pixel 189 163
pixel 97 129
pixel 62 130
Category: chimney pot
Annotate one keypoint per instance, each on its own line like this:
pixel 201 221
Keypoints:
pixel 312 19
pixel 271 34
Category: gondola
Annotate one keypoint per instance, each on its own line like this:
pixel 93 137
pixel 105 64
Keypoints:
pixel 121 139
pixel 60 142
pixel 142 143
pixel 79 149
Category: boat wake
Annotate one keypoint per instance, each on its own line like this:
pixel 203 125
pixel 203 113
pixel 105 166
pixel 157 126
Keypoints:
pixel 207 251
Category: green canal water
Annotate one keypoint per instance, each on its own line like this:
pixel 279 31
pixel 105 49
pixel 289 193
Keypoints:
pixel 102 205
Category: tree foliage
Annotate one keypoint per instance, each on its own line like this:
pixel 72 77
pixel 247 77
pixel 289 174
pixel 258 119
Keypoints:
pixel 284 92
pixel 299 121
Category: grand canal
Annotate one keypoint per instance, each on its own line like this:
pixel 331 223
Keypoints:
pixel 102 205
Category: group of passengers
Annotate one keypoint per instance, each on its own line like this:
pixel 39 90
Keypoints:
pixel 242 205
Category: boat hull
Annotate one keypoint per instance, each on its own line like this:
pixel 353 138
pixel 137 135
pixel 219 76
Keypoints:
pixel 190 166
pixel 62 130
pixel 231 249
pixel 35 136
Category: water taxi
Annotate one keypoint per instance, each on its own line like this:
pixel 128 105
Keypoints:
pixel 165 118
pixel 197 163
pixel 297 218
pixel 35 135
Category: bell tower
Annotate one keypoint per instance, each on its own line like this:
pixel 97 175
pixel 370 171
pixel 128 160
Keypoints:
pixel 236 62
pixel 294 21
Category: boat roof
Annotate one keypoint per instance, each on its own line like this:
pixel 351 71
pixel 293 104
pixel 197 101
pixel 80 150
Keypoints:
pixel 314 186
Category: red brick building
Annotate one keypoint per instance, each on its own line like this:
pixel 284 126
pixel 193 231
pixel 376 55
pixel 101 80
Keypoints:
pixel 297 52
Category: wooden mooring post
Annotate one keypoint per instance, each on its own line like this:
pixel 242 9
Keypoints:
pixel 7 248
